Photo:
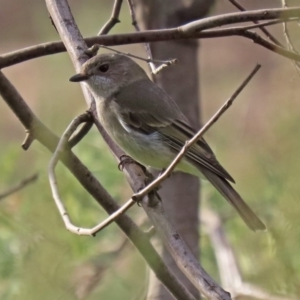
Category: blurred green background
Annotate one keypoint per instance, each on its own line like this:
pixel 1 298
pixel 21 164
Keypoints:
pixel 257 140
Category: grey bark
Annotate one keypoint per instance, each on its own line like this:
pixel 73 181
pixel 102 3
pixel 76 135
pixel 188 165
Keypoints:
pixel 180 193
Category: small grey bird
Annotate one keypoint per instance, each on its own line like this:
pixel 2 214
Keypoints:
pixel 148 125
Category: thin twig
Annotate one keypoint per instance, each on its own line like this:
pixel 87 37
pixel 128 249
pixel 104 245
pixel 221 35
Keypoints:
pixel 289 41
pixel 80 134
pixel 74 42
pixel 268 45
pixel 194 139
pixel 155 183
pixel 265 31
pixel 54 187
pixel 114 18
pixel 29 138
pixel 261 24
pixel 177 247
pixel 154 70
pixel 23 183
pixel 96 47
pixel 137 29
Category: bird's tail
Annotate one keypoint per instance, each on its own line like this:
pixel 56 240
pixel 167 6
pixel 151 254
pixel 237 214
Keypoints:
pixel 226 190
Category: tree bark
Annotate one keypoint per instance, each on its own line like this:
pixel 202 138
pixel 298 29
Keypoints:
pixel 180 193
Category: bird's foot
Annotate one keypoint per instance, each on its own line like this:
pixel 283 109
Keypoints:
pixel 125 159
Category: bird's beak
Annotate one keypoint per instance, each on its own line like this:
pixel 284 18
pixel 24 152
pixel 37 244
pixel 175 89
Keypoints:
pixel 79 77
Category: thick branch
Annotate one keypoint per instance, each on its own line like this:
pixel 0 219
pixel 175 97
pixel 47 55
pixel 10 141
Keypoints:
pixel 239 17
pixel 178 33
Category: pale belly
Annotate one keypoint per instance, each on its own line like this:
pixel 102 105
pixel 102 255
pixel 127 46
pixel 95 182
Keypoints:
pixel 147 149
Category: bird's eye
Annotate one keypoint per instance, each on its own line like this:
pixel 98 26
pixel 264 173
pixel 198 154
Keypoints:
pixel 103 68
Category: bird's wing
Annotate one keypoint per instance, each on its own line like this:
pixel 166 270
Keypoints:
pixel 154 111
pixel 199 154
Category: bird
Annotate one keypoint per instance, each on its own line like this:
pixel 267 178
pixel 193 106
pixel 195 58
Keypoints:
pixel 148 125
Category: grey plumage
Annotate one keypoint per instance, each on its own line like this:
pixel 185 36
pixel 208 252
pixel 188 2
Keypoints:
pixel 148 125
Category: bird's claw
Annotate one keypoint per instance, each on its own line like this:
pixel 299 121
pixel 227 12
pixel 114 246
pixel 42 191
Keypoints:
pixel 125 159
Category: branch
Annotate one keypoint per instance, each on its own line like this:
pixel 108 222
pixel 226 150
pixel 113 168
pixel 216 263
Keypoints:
pixel 22 184
pixel 29 138
pixel 138 196
pixel 289 40
pixel 65 24
pixel 90 183
pixel 114 19
pixel 194 139
pixel 58 153
pixel 228 266
pixel 81 133
pixel 177 247
pixel 149 60
pixel 28 53
pixel 74 42
pixel 146 45
pixel 186 262
pixel 240 17
pixel 264 30
pixel 184 259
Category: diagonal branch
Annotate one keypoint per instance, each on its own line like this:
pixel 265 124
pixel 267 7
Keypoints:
pixel 289 39
pixel 76 46
pixel 81 133
pixel 90 183
pixel 114 19
pixel 137 28
pixel 58 153
pixel 264 30
pixel 22 184
pixel 65 24
pixel 194 139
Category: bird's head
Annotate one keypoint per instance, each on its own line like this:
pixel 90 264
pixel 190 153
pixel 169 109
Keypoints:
pixel 108 73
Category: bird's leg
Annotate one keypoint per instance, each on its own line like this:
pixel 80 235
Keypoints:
pixel 125 159
pixel 149 179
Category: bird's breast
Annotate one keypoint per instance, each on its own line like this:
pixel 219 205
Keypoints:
pixel 146 149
